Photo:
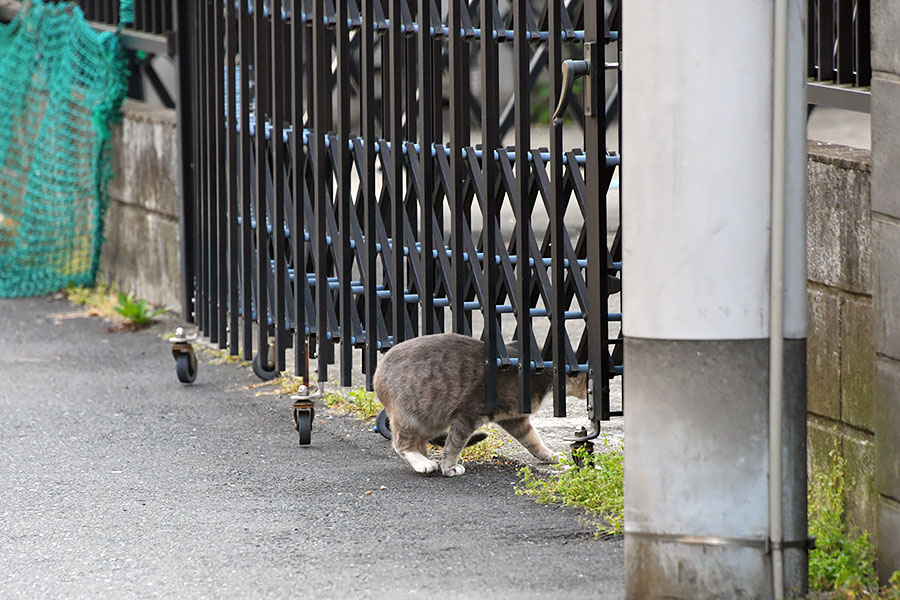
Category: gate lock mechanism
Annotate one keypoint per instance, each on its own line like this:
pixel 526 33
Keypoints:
pixel 572 70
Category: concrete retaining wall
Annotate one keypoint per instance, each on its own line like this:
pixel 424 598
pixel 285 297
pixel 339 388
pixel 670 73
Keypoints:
pixel 886 241
pixel 841 350
pixel 142 252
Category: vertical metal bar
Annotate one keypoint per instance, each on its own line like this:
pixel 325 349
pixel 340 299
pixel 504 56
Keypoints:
pixel 557 227
pixel 620 348
pixel 154 15
pixel 246 45
pixel 142 8
pixel 221 198
pixel 437 107
pixel 490 110
pixel 277 143
pixel 322 100
pixel 844 62
pixel 426 165
pixel 863 42
pixel 595 219
pixel 825 36
pixel 184 110
pixel 343 187
pixel 523 204
pixel 298 31
pixel 205 162
pixel 409 69
pixel 437 70
pixel 811 34
pixel 232 176
pixel 395 62
pixel 213 177
pixel 458 114
pixel 200 164
pixel 367 51
pixel 260 72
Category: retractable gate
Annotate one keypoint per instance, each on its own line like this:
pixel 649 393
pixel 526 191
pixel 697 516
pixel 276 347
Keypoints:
pixel 358 175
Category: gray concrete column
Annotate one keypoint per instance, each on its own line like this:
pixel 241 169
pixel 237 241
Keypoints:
pixel 697 141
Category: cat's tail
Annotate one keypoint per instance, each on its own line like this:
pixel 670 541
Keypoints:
pixel 478 436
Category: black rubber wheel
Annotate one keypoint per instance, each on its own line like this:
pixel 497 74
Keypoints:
pixel 304 426
pixel 383 424
pixel 262 373
pixel 186 374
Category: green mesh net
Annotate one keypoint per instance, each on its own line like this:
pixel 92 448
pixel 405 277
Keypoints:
pixel 61 86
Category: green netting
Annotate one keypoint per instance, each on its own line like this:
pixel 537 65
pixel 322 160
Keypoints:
pixel 61 86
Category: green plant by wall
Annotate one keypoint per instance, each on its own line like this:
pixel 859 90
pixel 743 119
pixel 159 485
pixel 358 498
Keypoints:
pixel 842 559
pixel 135 310
pixel 98 299
pixel 598 486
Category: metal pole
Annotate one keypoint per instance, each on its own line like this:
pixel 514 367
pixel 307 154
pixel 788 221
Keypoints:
pixel 776 295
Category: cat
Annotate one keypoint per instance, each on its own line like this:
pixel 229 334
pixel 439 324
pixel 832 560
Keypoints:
pixel 432 388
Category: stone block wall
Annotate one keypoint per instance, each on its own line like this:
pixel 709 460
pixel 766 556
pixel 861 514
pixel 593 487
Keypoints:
pixel 141 252
pixel 841 347
pixel 886 245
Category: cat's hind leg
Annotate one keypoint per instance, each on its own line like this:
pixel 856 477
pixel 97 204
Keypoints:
pixel 410 448
pixel 459 434
pixel 521 429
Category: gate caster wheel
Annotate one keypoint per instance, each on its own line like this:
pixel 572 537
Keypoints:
pixel 304 418
pixel 266 374
pixel 185 359
pixel 383 424
pixel 186 367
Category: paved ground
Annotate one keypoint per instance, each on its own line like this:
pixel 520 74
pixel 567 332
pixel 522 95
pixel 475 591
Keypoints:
pixel 119 482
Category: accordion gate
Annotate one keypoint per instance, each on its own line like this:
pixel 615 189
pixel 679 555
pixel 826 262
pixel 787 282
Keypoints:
pixel 355 176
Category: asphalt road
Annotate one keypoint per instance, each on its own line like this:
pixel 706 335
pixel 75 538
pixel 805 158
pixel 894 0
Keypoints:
pixel 118 482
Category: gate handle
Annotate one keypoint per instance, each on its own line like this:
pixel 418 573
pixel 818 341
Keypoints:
pixel 571 69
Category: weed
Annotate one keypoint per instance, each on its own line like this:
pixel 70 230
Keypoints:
pixel 98 300
pixel 135 310
pixel 219 357
pixel 598 487
pixel 484 450
pixel 358 402
pixel 842 559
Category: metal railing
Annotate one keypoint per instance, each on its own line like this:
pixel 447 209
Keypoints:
pixel 338 188
pixel 839 54
pixel 150 16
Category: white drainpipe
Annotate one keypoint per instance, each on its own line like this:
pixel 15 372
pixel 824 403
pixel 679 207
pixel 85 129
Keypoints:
pixel 776 294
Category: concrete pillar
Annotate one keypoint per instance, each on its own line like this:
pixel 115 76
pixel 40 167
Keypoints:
pixel 697 146
pixel 886 257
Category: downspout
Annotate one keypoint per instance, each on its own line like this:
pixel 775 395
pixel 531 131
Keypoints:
pixel 776 296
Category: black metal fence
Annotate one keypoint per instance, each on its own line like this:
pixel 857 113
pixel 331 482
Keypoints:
pixel 348 181
pixel 839 48
pixel 150 16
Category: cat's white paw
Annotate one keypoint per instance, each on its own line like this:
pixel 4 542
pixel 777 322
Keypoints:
pixel 420 464
pixel 454 471
pixel 427 466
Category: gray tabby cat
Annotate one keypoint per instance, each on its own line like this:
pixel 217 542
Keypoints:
pixel 432 388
